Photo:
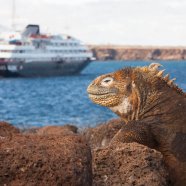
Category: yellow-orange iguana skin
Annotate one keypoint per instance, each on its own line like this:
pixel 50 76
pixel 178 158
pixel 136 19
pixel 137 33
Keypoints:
pixel 154 110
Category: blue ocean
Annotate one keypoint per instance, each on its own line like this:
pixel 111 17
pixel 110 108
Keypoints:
pixel 31 102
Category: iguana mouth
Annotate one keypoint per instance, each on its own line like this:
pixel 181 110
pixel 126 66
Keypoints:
pixel 100 94
pixel 94 91
pixel 105 95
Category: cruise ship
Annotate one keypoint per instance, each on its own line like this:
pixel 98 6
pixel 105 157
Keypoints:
pixel 32 54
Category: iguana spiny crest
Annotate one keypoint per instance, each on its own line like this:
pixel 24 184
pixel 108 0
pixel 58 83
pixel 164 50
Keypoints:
pixel 133 92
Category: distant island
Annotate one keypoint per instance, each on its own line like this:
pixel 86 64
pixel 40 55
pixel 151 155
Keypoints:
pixel 121 52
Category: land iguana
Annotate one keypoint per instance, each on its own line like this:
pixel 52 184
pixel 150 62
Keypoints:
pixel 154 109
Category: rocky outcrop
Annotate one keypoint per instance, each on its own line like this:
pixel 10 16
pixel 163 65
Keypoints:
pixel 123 164
pixel 52 130
pixel 101 135
pixel 45 160
pixel 128 164
pixel 57 130
pixel 61 156
pixel 7 130
pixel 111 52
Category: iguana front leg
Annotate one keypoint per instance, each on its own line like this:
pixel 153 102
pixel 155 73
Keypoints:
pixel 135 131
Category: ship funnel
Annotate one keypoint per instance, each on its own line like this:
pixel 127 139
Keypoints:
pixel 31 30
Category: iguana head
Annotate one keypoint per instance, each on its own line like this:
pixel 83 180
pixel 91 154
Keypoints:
pixel 113 90
pixel 110 89
pixel 130 92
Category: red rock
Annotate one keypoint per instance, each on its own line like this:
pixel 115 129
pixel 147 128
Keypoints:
pixel 55 155
pixel 101 135
pixel 128 164
pixel 45 160
pixel 57 130
pixel 7 130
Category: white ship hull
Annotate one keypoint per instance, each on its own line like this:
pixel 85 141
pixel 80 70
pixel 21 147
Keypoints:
pixel 32 54
pixel 42 69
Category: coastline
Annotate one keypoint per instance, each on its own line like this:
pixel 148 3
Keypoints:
pixel 122 52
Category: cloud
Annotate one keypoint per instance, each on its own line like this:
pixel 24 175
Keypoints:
pixel 65 2
pixel 108 21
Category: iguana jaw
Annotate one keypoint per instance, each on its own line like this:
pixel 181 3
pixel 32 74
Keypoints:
pixel 103 96
pixel 116 102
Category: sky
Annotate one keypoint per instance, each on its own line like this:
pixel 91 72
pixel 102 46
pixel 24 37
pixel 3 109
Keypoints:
pixel 120 22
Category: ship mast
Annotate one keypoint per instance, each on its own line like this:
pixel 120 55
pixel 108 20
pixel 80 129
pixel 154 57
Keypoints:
pixel 13 14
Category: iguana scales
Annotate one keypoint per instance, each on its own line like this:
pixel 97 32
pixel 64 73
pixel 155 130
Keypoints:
pixel 154 109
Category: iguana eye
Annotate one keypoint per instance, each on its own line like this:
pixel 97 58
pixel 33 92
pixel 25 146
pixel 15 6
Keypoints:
pixel 107 81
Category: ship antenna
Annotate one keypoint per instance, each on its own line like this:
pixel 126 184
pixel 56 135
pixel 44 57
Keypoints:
pixel 13 14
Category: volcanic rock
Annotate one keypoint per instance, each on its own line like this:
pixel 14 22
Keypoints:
pixel 7 130
pixel 57 130
pixel 127 164
pixel 45 160
pixel 57 155
pixel 102 134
